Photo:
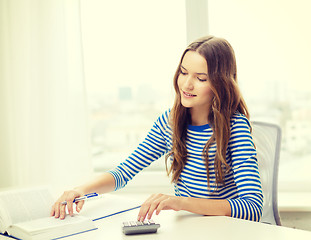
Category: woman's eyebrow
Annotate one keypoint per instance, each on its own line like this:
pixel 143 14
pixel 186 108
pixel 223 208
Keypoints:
pixel 196 73
pixel 183 67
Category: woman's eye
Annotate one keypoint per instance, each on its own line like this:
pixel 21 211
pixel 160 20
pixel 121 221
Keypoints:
pixel 183 73
pixel 201 80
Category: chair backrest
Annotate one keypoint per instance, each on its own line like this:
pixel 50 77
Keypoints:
pixel 267 139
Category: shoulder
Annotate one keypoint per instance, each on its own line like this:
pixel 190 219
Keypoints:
pixel 240 132
pixel 239 118
pixel 239 123
pixel 164 117
pixel 163 121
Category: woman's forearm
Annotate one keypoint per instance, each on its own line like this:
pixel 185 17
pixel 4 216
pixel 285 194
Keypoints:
pixel 158 202
pixel 215 207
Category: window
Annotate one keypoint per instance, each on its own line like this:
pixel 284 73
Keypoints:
pixel 131 52
pixel 132 48
pixel 272 44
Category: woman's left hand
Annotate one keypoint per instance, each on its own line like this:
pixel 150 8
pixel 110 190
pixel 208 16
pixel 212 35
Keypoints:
pixel 158 202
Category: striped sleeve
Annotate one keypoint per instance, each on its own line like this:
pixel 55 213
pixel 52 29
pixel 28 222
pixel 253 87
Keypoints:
pixel 249 203
pixel 151 149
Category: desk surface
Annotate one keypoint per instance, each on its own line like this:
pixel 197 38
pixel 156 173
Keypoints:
pixel 184 225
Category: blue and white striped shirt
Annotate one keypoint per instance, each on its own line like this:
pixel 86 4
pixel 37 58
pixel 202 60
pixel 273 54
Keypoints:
pixel 242 186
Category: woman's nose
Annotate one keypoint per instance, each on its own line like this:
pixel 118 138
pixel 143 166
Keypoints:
pixel 189 83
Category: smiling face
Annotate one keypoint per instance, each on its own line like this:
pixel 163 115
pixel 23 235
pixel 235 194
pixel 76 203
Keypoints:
pixel 193 83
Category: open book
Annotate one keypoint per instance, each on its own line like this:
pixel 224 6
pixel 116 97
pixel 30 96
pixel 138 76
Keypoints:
pixel 24 214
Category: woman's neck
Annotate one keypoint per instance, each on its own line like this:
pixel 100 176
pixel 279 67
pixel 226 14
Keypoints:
pixel 198 117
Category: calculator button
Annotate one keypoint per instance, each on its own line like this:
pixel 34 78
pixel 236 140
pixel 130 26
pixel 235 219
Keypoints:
pixel 137 227
pixel 133 223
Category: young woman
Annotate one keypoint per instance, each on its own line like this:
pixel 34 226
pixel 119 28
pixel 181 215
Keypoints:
pixel 206 137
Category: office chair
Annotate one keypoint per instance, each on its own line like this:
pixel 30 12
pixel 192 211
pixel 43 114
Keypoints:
pixel 267 139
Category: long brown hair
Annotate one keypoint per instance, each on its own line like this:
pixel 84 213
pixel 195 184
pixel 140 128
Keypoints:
pixel 222 73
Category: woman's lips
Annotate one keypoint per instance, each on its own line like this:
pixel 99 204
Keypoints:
pixel 188 95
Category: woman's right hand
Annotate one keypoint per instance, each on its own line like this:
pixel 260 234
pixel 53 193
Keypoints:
pixel 59 210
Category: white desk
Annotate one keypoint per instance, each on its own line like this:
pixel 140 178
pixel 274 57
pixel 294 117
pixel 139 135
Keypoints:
pixel 183 225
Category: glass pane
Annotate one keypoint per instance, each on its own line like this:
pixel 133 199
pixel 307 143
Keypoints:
pixel 272 44
pixel 131 51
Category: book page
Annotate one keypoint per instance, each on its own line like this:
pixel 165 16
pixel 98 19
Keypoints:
pixel 51 228
pixel 26 204
pixel 46 224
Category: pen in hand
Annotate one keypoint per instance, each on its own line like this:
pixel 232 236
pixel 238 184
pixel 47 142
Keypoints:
pixel 85 197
